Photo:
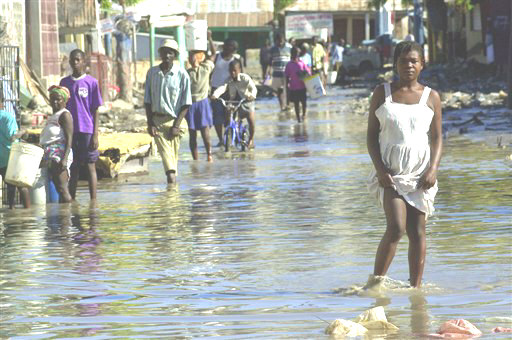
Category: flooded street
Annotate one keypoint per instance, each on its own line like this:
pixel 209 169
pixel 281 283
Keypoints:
pixel 258 244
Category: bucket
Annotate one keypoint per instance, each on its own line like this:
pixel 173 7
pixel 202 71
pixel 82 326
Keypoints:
pixel 23 164
pixel 52 195
pixel 314 86
pixel 38 190
pixel 196 36
pixel 331 77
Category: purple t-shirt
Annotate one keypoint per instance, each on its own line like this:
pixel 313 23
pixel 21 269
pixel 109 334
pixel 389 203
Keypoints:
pixel 292 71
pixel 85 100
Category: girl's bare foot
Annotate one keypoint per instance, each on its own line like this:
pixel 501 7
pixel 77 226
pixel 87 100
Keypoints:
pixel 209 158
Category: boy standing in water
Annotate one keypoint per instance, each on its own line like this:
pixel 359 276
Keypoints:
pixel 84 101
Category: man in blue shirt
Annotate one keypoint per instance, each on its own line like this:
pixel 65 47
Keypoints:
pixel 8 129
pixel 167 99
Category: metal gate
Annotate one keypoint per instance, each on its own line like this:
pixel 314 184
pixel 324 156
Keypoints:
pixel 10 80
pixel 10 92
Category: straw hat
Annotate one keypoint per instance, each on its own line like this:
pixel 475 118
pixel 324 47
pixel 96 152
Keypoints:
pixel 170 43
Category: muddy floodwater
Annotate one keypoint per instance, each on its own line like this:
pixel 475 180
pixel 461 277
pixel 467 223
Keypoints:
pixel 264 244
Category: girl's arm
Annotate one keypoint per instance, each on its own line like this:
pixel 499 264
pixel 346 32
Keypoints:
pixel 212 46
pixel 372 139
pixel 66 123
pixel 436 143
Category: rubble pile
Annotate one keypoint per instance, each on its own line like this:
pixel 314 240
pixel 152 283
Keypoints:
pixel 473 97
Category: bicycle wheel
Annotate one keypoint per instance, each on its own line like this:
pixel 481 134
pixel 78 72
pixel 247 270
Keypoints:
pixel 244 138
pixel 238 139
pixel 228 138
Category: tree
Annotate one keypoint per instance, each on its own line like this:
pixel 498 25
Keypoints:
pixel 279 5
pixel 376 4
pixel 510 61
pixel 124 46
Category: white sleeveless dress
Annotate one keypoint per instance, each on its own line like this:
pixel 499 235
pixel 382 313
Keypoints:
pixel 405 150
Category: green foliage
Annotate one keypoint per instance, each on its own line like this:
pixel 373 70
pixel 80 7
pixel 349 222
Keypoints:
pixel 107 4
pixel 376 4
pixel 464 4
pixel 279 5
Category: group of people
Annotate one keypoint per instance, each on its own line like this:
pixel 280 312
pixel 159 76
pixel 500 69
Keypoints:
pixel 174 94
pixel 287 64
pixel 404 134
pixel 69 138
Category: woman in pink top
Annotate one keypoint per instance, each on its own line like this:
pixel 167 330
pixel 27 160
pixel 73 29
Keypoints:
pixel 294 72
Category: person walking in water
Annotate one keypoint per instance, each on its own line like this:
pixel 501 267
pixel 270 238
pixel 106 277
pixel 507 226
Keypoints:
pixel 402 116
pixel 295 72
pixel 167 99
pixel 280 57
pixel 199 115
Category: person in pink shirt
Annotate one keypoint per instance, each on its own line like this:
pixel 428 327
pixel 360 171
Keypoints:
pixel 296 70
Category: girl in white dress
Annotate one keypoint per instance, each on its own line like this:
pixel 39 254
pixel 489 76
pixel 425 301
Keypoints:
pixel 404 141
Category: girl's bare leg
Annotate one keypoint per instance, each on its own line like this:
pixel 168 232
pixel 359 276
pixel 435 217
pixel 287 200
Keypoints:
pixel 205 134
pixel 417 244
pixel 192 142
pixel 61 179
pixel 395 209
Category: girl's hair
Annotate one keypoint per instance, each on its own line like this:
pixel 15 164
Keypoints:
pixel 231 42
pixel 77 51
pixel 235 62
pixel 406 47
pixel 294 52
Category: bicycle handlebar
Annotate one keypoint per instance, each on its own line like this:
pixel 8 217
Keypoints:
pixel 227 103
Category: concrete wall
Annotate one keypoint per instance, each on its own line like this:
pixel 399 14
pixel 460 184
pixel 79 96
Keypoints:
pixel 12 19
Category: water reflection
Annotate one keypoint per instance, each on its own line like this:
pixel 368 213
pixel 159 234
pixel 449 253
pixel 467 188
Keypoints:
pixel 255 244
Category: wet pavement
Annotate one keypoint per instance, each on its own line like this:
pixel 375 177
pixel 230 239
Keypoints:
pixel 258 244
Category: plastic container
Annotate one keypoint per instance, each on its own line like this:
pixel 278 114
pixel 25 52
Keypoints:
pixel 38 190
pixel 52 195
pixel 314 86
pixel 23 165
pixel 331 77
pixel 196 35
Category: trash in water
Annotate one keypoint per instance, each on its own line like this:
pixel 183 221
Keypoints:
pixel 375 318
pixel 458 328
pixel 340 327
pixel 372 319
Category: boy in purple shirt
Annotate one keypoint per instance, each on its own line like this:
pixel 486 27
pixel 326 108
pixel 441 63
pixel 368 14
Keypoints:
pixel 83 104
pixel 294 72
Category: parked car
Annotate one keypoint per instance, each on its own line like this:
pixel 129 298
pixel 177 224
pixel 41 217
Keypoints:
pixel 360 60
pixel 371 54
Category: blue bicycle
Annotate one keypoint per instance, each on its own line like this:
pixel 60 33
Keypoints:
pixel 236 133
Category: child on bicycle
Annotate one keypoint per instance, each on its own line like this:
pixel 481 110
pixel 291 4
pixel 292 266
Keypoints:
pixel 240 86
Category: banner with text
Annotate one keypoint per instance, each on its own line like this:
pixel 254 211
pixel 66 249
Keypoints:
pixel 305 26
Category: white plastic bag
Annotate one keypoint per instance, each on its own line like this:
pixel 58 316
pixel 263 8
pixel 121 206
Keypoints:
pixel 314 86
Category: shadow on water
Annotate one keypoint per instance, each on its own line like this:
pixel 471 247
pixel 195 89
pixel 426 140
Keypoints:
pixel 256 243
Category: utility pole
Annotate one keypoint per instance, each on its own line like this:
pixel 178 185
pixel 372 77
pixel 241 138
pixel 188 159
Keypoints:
pixel 509 68
pixel 418 22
